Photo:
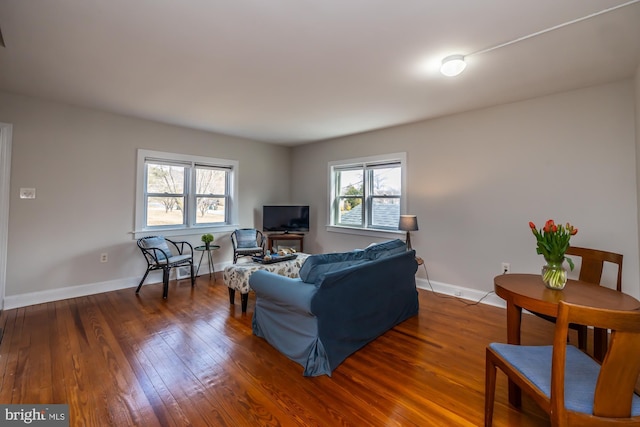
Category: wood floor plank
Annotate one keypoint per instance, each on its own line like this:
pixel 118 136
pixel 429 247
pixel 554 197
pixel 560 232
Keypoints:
pixel 8 359
pixel 123 359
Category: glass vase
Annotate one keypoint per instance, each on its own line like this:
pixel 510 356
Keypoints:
pixel 554 275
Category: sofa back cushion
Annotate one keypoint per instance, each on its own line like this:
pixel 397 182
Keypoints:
pixel 385 249
pixel 247 238
pixel 157 242
pixel 317 265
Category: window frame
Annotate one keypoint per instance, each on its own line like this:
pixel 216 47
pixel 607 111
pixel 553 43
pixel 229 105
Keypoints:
pixel 364 164
pixel 191 163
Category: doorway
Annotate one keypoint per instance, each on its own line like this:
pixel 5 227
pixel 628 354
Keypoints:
pixel 5 176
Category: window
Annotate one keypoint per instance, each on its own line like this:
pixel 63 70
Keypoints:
pixel 367 193
pixel 178 192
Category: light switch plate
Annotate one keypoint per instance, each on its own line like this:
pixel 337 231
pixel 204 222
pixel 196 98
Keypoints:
pixel 27 193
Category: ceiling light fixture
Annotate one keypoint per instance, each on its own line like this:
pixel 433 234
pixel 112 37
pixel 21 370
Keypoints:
pixel 453 65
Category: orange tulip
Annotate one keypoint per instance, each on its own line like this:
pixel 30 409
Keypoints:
pixel 553 240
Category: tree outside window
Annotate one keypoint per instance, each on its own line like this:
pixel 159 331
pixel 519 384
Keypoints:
pixel 165 194
pixel 210 195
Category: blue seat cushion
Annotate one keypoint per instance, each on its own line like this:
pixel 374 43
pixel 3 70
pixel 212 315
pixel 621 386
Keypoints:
pixel 175 259
pixel 249 250
pixel 581 373
pixel 385 249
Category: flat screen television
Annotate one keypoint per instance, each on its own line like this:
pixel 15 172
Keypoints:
pixel 287 219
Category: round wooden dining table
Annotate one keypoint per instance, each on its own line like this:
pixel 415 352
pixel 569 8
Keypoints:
pixel 527 291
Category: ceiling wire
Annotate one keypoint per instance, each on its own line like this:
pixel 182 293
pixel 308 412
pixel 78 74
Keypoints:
pixel 489 49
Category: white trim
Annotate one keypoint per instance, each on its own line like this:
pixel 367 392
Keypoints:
pixel 155 277
pixel 6 133
pixel 385 234
pixel 191 231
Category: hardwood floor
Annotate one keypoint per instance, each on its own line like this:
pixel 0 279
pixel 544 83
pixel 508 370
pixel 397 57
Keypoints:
pixel 120 360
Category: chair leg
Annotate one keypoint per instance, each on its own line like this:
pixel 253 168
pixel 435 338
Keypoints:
pixel 142 281
pixel 489 390
pixel 582 338
pixel 193 276
pixel 232 296
pixel 165 282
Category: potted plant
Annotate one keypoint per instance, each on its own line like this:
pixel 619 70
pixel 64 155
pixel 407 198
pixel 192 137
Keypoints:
pixel 207 239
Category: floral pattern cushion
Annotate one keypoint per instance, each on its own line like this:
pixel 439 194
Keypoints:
pixel 237 276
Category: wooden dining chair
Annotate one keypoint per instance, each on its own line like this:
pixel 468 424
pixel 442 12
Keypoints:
pixel 592 264
pixel 591 267
pixel 567 383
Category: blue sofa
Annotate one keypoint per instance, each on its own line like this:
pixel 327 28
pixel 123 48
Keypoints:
pixel 340 302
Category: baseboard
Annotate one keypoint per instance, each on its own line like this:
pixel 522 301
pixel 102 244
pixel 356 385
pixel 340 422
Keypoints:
pixel 41 297
pixel 32 298
pixel 468 294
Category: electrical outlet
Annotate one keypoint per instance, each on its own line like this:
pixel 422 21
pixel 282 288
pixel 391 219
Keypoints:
pixel 104 257
pixel 506 268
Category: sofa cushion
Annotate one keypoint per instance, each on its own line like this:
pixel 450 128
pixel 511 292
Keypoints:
pixel 316 265
pixel 318 272
pixel 247 238
pixel 384 249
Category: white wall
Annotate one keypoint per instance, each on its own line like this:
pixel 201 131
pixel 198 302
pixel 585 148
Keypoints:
pixel 82 164
pixel 476 179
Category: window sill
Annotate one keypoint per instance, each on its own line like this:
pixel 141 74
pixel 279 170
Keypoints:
pixel 366 232
pixel 191 231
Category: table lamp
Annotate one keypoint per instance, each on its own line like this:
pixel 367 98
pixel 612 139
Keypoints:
pixel 408 223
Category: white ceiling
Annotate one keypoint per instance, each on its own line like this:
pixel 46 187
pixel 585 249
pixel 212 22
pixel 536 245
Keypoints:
pixel 295 71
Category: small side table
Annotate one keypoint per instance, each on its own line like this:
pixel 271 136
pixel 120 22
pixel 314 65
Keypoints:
pixel 203 249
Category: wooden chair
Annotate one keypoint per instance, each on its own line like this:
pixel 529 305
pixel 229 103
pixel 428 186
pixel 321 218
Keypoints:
pixel 568 384
pixel 159 256
pixel 247 242
pixel 591 268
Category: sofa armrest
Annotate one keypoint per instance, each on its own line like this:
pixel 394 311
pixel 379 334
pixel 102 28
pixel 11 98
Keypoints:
pixel 293 294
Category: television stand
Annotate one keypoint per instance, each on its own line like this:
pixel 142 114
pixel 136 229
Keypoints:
pixel 285 236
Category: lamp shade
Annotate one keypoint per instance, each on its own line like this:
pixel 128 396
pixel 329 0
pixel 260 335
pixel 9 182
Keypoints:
pixel 408 223
pixel 453 65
